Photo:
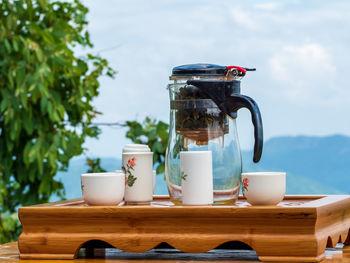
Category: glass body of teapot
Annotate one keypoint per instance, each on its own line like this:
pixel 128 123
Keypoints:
pixel 204 100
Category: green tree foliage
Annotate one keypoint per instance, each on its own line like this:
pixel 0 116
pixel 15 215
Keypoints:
pixel 10 227
pixel 94 165
pixel 153 133
pixel 46 92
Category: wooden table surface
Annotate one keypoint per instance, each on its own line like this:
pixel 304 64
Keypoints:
pixel 9 253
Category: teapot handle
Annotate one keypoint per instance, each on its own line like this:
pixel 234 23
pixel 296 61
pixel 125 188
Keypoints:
pixel 238 101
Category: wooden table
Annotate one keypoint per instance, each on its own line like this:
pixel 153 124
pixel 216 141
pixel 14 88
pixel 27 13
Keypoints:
pixel 9 253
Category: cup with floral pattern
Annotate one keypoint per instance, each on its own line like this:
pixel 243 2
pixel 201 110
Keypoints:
pixel 264 188
pixel 196 177
pixel 137 164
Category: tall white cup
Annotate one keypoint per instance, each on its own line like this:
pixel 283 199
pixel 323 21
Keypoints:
pixel 196 177
pixel 137 164
pixel 154 178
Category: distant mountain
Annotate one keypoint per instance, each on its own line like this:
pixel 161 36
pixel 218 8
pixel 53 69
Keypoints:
pixel 314 165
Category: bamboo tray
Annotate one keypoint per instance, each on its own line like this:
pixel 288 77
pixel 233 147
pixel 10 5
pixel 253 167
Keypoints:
pixel 298 229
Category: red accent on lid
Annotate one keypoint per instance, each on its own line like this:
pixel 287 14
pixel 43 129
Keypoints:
pixel 243 70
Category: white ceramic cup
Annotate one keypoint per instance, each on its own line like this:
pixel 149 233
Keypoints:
pixel 264 188
pixel 197 177
pixel 137 164
pixel 103 188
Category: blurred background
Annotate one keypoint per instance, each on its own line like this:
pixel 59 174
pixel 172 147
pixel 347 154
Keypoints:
pixel 300 50
pixel 62 113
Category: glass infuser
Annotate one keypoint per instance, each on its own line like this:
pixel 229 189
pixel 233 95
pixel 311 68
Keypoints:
pixel 204 100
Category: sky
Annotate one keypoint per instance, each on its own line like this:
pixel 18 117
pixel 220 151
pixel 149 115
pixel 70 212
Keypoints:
pixel 300 50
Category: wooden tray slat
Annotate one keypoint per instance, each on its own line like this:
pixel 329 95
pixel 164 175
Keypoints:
pixel 298 229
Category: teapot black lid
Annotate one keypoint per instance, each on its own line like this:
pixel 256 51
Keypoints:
pixel 200 70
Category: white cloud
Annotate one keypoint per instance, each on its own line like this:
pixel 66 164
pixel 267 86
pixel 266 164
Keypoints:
pixel 305 60
pixel 243 18
pixel 269 6
pixel 305 72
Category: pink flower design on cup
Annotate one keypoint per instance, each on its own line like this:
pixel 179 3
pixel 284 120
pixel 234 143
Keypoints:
pixel 245 183
pixel 128 170
pixel 131 162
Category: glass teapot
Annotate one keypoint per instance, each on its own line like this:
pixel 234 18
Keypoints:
pixel 204 100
